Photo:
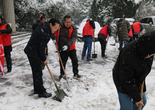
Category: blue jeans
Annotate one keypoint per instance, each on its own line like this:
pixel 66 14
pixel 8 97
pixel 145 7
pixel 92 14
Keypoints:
pixel 87 44
pixel 121 44
pixel 127 103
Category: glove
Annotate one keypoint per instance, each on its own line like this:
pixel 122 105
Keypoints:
pixel 64 48
pixel 54 41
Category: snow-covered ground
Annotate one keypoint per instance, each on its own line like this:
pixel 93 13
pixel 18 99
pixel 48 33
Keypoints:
pixel 95 91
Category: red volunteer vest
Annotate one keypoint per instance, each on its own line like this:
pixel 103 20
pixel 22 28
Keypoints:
pixel 130 33
pixel 104 31
pixel 136 27
pixel 88 30
pixel 69 37
pixel 6 38
pixel 1 57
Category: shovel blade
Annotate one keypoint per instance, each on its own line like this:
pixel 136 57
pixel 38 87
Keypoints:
pixel 60 94
pixel 94 55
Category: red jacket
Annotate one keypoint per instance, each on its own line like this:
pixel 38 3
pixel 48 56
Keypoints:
pixel 136 27
pixel 69 37
pixel 88 29
pixel 130 33
pixel 104 31
pixel 6 38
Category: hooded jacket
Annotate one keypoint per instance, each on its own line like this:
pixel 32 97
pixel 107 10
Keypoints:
pixel 132 67
pixel 123 28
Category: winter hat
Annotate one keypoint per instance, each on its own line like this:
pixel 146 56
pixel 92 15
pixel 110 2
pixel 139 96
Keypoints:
pixel 146 44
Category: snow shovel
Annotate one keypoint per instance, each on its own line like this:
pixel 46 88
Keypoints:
pixel 114 44
pixel 141 94
pixel 94 55
pixel 62 65
pixel 59 93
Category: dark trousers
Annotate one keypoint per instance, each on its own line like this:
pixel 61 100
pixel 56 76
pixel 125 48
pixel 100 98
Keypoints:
pixel 35 63
pixel 8 61
pixel 64 56
pixel 102 40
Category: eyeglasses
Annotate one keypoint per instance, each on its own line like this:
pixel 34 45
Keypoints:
pixel 68 22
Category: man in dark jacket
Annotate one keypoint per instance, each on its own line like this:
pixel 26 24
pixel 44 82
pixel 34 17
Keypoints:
pixel 40 15
pixel 35 51
pixel 133 65
pixel 102 35
pixel 88 37
pixel 123 28
pixel 42 19
pixel 5 32
pixel 66 38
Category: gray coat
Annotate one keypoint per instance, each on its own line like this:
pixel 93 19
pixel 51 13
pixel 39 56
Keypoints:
pixel 123 28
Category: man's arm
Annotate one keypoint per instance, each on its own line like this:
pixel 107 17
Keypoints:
pixel 141 27
pixel 73 37
pixel 8 30
pixel 91 22
pixel 109 30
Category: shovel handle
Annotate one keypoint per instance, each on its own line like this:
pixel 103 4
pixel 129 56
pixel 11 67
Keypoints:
pixel 141 94
pixel 60 60
pixel 50 74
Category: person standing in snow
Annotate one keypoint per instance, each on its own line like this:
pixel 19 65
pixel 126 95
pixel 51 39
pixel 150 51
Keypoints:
pixel 132 66
pixel 66 38
pixel 35 51
pixel 130 34
pixel 123 28
pixel 5 32
pixel 88 37
pixel 42 19
pixel 102 35
pixel 40 15
pixel 137 28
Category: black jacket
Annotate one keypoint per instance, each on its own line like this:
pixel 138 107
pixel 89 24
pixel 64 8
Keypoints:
pixel 38 41
pixel 36 25
pixel 132 68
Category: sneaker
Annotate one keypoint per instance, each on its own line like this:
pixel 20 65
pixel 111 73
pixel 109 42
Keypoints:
pixel 61 76
pixel 76 76
pixel 105 56
pixel 90 60
pixel 45 95
pixel 35 92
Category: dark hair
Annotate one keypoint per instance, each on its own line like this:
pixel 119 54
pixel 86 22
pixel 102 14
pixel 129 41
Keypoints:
pixel 88 20
pixel 1 17
pixel 67 16
pixel 42 17
pixel 53 21
pixel 42 14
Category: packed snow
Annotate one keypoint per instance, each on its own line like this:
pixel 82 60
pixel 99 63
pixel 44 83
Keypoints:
pixel 95 90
